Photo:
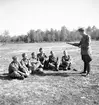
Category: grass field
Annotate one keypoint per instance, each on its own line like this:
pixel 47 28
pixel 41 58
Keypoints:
pixel 52 88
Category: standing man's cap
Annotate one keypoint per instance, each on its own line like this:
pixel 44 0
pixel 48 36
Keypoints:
pixel 81 30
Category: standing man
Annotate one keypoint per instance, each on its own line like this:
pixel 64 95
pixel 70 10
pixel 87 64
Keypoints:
pixel 85 50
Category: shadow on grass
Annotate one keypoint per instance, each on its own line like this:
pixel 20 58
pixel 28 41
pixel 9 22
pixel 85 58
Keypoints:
pixel 5 76
pixel 55 74
pixel 62 74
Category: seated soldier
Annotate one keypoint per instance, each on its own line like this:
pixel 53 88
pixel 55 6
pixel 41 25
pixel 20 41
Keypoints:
pixel 53 62
pixel 15 69
pixel 42 58
pixel 36 66
pixel 65 61
pixel 25 64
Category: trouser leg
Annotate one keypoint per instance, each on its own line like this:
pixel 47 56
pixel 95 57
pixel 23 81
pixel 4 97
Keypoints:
pixel 86 59
pixel 85 67
pixel 88 68
pixel 17 75
pixel 56 66
pixel 69 66
pixel 46 64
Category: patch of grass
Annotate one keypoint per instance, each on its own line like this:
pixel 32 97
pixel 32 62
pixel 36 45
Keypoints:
pixel 52 88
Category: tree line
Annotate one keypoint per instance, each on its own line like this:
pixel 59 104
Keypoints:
pixel 49 35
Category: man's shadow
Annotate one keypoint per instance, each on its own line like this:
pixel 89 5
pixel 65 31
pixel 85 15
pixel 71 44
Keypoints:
pixel 62 74
pixel 53 74
pixel 5 76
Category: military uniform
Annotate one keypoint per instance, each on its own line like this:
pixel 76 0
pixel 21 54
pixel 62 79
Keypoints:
pixel 35 65
pixel 86 52
pixel 15 70
pixel 53 63
pixel 26 66
pixel 66 63
pixel 43 59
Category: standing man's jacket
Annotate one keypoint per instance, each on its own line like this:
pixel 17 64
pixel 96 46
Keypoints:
pixel 85 45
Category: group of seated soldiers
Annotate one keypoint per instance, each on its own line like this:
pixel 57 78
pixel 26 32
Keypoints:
pixel 25 67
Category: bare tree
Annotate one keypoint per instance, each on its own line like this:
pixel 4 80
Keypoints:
pixel 6 37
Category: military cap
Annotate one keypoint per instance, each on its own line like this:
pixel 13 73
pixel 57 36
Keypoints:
pixel 81 30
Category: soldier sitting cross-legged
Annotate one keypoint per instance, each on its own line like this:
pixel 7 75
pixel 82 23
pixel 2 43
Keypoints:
pixel 16 70
pixel 36 66
pixel 65 61
pixel 53 62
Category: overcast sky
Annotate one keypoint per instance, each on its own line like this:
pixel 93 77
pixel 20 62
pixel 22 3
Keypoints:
pixel 19 16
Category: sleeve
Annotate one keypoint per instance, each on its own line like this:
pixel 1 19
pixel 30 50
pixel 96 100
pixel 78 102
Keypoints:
pixel 28 62
pixel 20 66
pixel 77 44
pixel 70 59
pixel 22 63
pixel 63 59
pixel 12 68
